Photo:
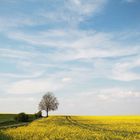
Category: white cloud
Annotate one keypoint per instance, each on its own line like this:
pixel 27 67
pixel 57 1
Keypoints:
pixel 72 12
pixel 123 71
pixel 112 94
pixel 33 86
pixel 68 13
pixel 16 54
pixel 77 44
pixel 103 101
pixel 15 75
pixel 18 104
pixel 85 7
pixel 66 79
pixel 130 1
pixel 66 59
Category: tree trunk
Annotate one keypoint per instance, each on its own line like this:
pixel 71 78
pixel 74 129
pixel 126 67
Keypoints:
pixel 47 112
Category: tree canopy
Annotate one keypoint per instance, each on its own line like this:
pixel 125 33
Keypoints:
pixel 48 102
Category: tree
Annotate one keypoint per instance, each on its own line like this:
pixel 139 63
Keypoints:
pixel 22 117
pixel 48 102
pixel 38 115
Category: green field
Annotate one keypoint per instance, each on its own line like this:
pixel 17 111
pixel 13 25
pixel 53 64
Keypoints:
pixel 8 120
pixel 77 128
pixel 6 117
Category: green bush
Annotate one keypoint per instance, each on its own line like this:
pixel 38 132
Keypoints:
pixel 22 117
pixel 38 115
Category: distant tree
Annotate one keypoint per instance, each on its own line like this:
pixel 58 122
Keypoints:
pixel 22 117
pixel 49 102
pixel 38 115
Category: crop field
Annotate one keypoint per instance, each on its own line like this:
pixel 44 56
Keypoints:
pixel 77 128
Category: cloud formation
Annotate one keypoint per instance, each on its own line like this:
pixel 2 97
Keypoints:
pixel 50 47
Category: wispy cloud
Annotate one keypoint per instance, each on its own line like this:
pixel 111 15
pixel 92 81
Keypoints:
pixel 77 45
pixel 124 71
pixel 113 94
pixel 130 1
pixel 72 12
pixel 12 53
pixel 84 44
pixel 51 46
pixel 33 86
pixel 69 13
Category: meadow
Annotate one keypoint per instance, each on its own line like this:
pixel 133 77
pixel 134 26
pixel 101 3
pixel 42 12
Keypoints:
pixel 7 119
pixel 77 128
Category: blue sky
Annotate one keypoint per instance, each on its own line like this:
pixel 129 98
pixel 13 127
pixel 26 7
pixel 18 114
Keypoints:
pixel 86 52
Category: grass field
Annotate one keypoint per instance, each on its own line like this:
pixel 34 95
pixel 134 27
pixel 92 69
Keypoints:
pixel 7 119
pixel 77 128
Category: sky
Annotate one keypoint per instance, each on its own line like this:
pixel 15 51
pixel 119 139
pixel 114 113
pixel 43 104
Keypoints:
pixel 87 52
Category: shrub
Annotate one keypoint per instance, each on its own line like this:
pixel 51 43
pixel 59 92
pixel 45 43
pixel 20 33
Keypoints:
pixel 21 117
pixel 38 115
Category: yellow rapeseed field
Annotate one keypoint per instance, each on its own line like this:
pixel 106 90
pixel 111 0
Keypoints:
pixel 77 128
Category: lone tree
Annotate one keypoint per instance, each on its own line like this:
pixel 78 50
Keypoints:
pixel 48 102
